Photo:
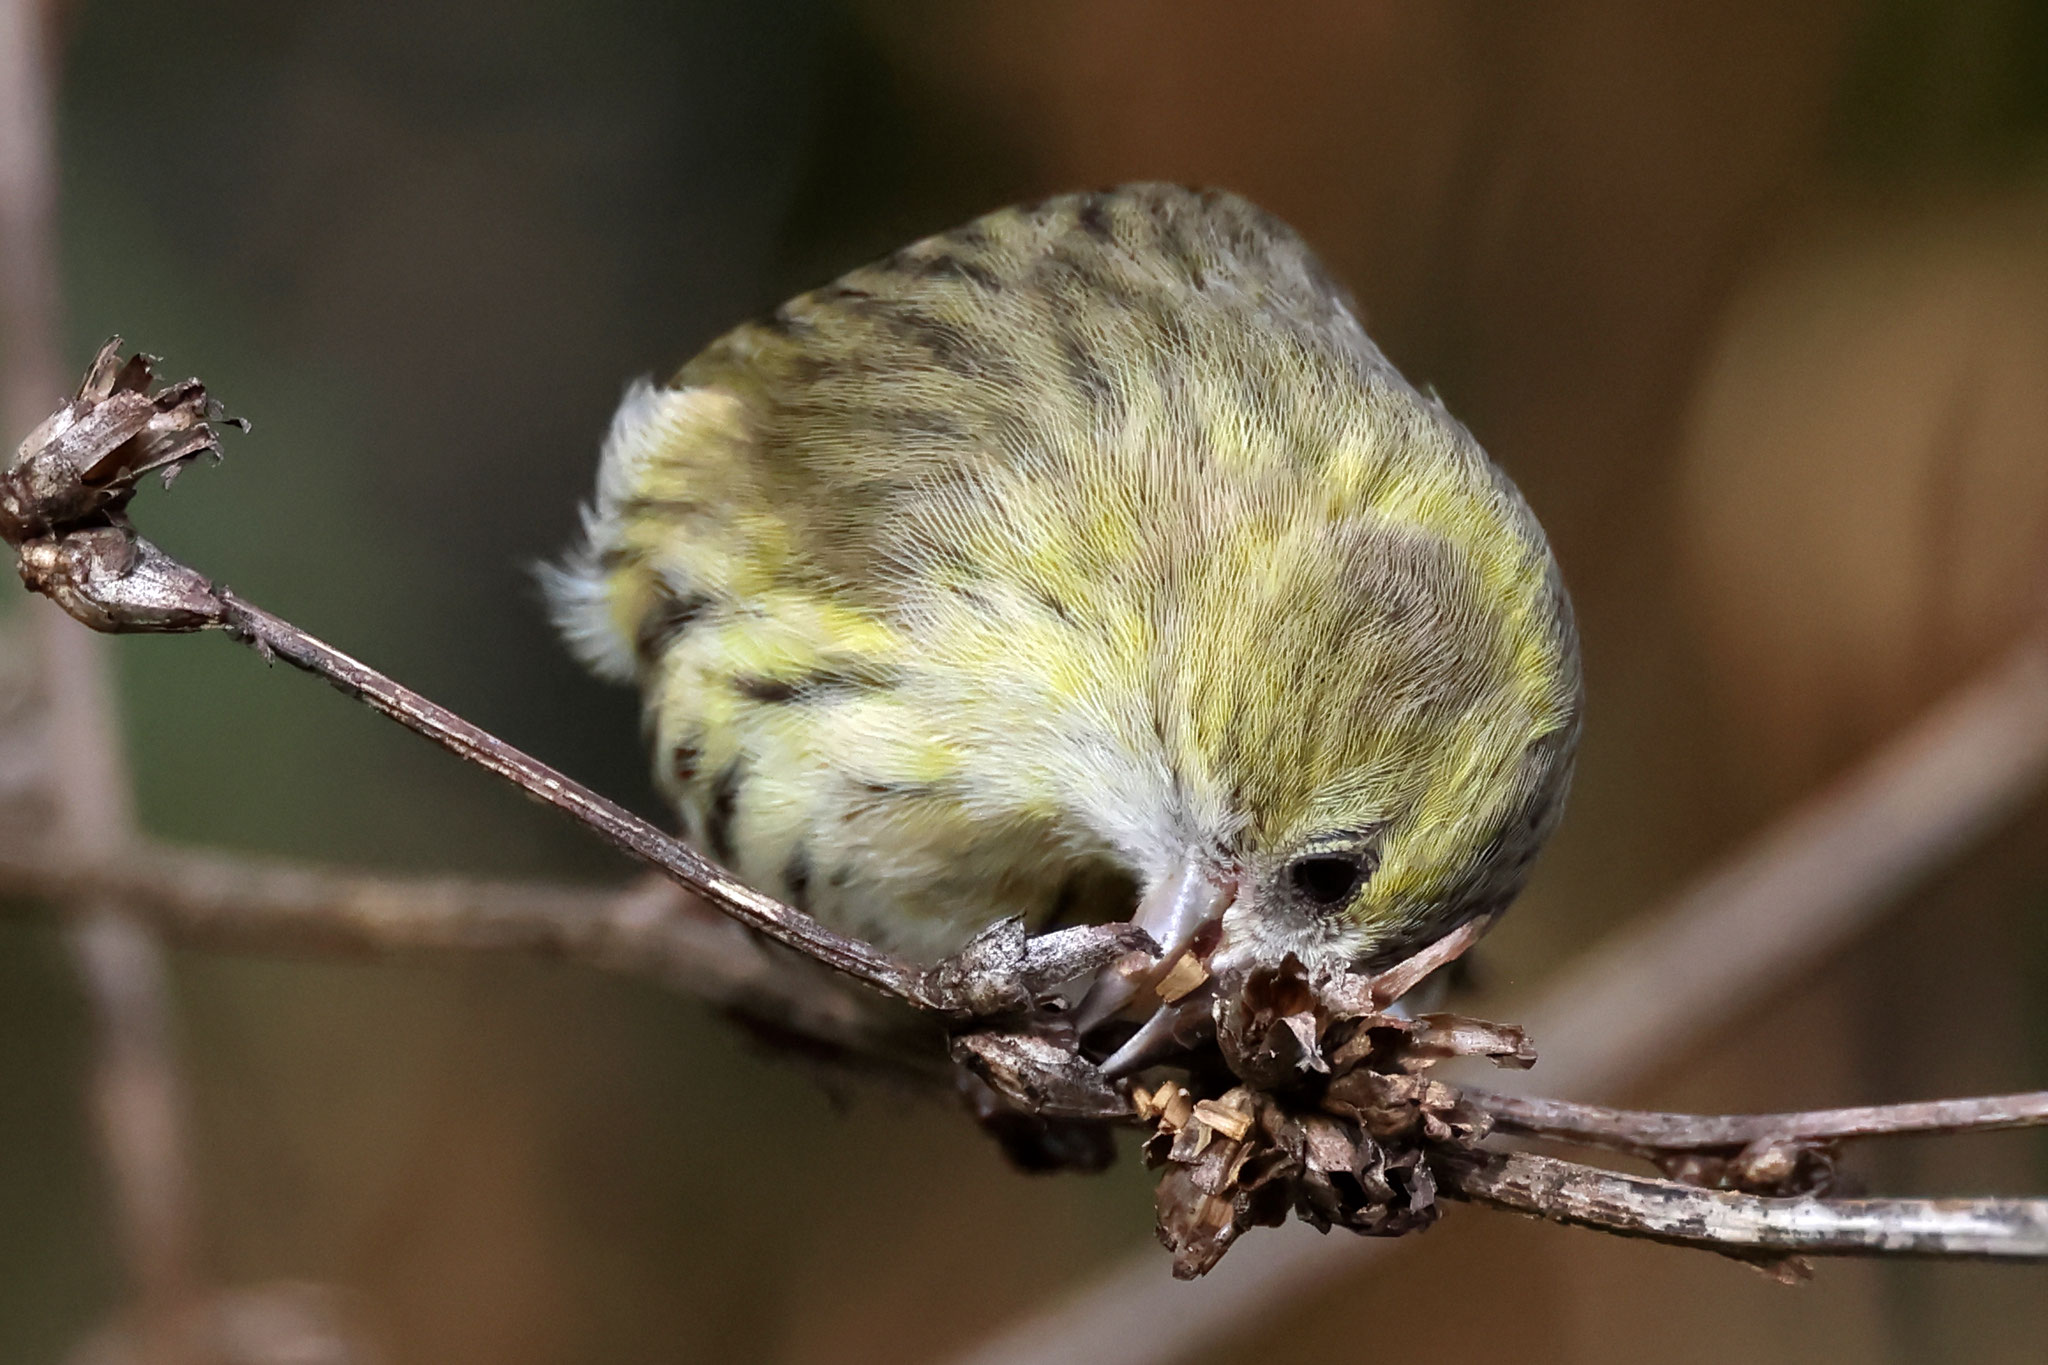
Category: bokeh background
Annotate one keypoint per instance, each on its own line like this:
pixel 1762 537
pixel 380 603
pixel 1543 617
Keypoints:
pixel 1751 298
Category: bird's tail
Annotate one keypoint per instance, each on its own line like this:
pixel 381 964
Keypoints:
pixel 637 572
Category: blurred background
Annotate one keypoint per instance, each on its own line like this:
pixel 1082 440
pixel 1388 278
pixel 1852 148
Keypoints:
pixel 1751 299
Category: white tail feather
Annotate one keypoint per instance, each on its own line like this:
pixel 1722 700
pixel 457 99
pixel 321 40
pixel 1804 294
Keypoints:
pixel 577 586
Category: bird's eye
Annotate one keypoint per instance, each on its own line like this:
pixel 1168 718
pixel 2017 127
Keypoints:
pixel 1328 879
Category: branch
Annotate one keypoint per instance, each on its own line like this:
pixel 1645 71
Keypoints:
pixel 654 930
pixel 1718 1220
pixel 1654 1135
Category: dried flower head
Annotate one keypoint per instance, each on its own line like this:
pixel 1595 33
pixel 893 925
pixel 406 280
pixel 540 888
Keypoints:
pixel 62 500
pixel 82 464
pixel 1331 1115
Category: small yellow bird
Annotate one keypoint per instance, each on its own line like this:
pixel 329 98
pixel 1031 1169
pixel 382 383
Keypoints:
pixel 1086 562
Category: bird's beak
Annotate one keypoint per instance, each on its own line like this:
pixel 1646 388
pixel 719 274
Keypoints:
pixel 1174 912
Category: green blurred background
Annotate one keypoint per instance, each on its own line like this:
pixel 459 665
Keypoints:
pixel 1752 299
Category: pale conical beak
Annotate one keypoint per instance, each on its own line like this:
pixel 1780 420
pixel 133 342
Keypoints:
pixel 1174 912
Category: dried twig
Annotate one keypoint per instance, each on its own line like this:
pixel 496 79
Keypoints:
pixel 1769 1154
pixel 654 930
pixel 1648 1134
pixel 1718 1220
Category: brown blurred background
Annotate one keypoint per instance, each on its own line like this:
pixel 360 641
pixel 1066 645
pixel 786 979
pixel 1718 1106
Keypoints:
pixel 1752 299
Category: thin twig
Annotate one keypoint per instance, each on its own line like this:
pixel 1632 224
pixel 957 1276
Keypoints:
pixel 1649 1134
pixel 1685 1215
pixel 653 930
pixel 1763 918
pixel 136 1091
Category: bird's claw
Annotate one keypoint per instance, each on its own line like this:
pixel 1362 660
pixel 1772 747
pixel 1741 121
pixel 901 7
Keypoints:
pixel 1006 970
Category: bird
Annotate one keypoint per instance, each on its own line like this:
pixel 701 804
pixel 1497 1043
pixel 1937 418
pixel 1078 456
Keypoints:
pixel 1085 563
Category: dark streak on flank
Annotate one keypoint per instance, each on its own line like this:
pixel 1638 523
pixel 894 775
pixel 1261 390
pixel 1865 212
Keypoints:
pixel 670 617
pixel 765 689
pixel 1171 232
pixel 1086 277
pixel 1086 372
pixel 1051 603
pixel 950 345
pixel 1016 428
pixel 1257 392
pixel 894 788
pixel 672 507
pixel 682 762
pixel 796 879
pixel 975 598
pixel 1174 331
pixel 719 811
pixel 810 684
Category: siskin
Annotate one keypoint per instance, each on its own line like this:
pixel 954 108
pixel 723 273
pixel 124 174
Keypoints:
pixel 1087 562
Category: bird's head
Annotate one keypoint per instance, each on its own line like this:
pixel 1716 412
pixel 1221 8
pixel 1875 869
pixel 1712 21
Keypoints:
pixel 1367 723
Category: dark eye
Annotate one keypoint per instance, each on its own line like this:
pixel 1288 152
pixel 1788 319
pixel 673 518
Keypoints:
pixel 1328 879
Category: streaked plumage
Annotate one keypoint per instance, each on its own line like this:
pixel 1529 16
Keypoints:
pixel 1084 545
